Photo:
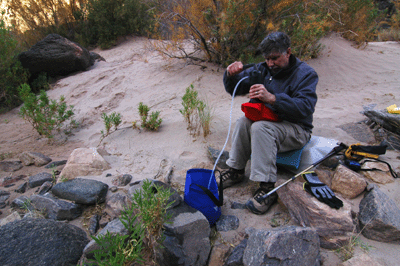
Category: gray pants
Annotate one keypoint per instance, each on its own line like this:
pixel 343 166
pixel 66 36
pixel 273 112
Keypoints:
pixel 261 141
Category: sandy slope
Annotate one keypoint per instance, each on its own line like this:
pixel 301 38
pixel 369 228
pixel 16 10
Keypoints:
pixel 132 73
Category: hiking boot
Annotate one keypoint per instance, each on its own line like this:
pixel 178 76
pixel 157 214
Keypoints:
pixel 259 206
pixel 231 177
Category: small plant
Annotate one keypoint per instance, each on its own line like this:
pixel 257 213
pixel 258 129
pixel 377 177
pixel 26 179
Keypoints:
pixel 114 119
pixel 43 114
pixel 151 123
pixel 151 204
pixel 346 252
pixel 197 114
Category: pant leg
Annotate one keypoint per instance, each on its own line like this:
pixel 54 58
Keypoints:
pixel 241 144
pixel 269 138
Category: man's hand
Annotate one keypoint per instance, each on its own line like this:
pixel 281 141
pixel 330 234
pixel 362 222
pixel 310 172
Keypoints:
pixel 258 91
pixel 235 68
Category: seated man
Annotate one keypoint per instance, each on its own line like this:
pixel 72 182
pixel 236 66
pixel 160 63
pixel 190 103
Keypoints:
pixel 289 90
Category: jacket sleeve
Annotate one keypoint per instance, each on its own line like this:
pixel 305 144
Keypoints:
pixel 230 82
pixel 300 103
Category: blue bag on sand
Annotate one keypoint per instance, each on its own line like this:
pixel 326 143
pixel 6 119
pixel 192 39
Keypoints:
pixel 201 193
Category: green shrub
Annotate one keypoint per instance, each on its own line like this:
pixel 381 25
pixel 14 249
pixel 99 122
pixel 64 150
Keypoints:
pixel 151 123
pixel 197 114
pixel 12 74
pixel 144 219
pixel 114 119
pixel 43 114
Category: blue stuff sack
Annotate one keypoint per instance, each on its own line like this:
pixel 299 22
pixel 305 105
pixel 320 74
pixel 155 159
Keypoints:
pixel 201 193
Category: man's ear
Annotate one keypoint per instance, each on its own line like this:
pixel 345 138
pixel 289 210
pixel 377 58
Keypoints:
pixel 289 51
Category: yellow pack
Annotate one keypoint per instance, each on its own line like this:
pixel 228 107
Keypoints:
pixel 393 109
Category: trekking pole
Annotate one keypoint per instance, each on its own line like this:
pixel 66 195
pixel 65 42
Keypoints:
pixel 334 151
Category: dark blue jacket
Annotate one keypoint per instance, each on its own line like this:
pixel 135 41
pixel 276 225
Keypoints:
pixel 293 87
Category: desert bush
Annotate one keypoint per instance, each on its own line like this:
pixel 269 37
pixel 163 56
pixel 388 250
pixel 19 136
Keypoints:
pixel 112 120
pixel 197 113
pixel 12 74
pixel 144 219
pixel 224 31
pixel 151 123
pixel 43 114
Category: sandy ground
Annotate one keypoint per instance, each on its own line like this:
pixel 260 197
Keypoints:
pixel 350 78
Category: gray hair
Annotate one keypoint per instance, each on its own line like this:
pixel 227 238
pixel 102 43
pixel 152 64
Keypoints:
pixel 274 42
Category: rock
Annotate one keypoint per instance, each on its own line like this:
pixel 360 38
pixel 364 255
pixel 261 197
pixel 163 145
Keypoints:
pixel 116 203
pixel 95 57
pixel 14 216
pixel 347 182
pixel 41 242
pixel 361 259
pixel 45 187
pixel 10 166
pixel 175 198
pixel 172 253
pixel 56 209
pixel 84 162
pixel 21 188
pixel 38 179
pixel 113 227
pixel 6 181
pixel 189 226
pixel 332 225
pixel 238 205
pixel 227 223
pixel 122 180
pixel 4 196
pixel 56 56
pixel 213 154
pixel 55 164
pixel 218 255
pixel 379 217
pixel 94 224
pixel 265 247
pixel 36 158
pixel 236 257
pixel 81 191
pixel 22 202
pixel 381 175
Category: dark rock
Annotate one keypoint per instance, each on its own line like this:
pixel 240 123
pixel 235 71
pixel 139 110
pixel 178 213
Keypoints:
pixel 175 199
pixel 189 226
pixel 95 57
pixel 22 188
pixel 237 205
pixel 9 180
pixel 22 202
pixel 81 191
pixel 236 257
pixel 36 158
pixel 227 223
pixel 39 179
pixel 213 153
pixel 379 217
pixel 56 209
pixel 94 224
pixel 45 187
pixel 4 196
pixel 292 246
pixel 41 242
pixel 55 164
pixel 10 166
pixel 55 55
pixel 172 253
pixel 122 180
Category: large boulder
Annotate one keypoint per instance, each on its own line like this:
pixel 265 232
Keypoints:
pixel 55 55
pixel 41 242
pixel 334 227
pixel 84 162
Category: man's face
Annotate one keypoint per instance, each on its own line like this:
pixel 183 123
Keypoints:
pixel 277 61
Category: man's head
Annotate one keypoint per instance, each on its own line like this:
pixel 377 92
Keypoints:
pixel 276 50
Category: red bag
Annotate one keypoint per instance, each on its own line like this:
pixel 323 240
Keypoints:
pixel 258 111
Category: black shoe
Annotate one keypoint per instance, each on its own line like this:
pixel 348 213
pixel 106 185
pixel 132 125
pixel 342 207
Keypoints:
pixel 256 204
pixel 231 177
